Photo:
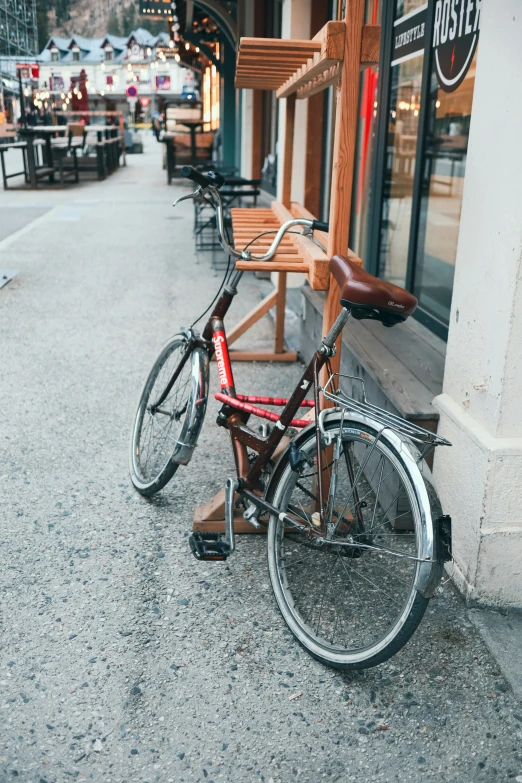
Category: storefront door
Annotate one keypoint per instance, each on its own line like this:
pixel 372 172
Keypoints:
pixel 425 117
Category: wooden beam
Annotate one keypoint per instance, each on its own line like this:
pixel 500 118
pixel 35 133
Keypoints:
pixel 274 45
pixel 263 356
pixel 332 37
pixel 279 343
pixel 288 154
pixel 321 82
pixel 370 45
pixel 344 153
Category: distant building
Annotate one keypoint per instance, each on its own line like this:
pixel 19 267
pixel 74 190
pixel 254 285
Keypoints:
pixel 112 64
pixel 18 29
pixel 18 42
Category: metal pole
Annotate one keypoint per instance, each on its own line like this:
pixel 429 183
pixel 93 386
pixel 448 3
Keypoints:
pixel 22 102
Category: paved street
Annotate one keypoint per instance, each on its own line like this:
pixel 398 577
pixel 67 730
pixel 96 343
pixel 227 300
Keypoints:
pixel 122 659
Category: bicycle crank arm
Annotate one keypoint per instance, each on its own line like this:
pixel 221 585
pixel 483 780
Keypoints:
pixel 276 512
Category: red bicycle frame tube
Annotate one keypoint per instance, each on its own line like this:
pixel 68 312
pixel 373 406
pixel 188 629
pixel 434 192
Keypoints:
pixel 226 378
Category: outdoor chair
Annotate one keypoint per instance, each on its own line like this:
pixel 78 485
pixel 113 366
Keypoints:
pixel 8 141
pixel 69 146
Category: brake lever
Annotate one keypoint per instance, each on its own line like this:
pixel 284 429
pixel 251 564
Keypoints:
pixel 309 233
pixel 196 194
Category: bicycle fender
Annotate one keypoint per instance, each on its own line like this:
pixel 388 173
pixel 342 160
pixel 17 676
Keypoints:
pixel 197 407
pixel 429 572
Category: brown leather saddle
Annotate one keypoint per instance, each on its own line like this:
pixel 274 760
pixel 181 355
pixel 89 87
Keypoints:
pixel 367 296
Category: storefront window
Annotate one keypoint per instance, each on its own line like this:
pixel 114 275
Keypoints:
pixel 403 122
pixel 366 133
pixel 445 152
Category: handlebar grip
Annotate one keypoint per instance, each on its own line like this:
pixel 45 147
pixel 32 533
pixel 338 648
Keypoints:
pixel 195 176
pixel 204 180
pixel 319 225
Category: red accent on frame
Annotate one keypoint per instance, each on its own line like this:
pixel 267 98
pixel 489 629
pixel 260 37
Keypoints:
pixel 245 406
pixel 282 401
pixel 226 379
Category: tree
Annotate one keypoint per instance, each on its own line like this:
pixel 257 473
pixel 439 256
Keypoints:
pixel 43 23
pixel 113 25
pixel 129 18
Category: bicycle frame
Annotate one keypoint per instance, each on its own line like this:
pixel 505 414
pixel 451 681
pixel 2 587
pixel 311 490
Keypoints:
pixel 238 408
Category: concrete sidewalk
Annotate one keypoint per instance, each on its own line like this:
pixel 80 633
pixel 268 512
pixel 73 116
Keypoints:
pixel 122 658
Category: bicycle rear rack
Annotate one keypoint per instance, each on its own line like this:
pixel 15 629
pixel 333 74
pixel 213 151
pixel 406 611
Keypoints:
pixel 335 394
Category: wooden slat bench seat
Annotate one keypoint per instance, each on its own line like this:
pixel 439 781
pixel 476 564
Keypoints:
pixel 295 254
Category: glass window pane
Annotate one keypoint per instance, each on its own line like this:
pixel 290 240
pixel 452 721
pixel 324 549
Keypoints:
pixel 403 121
pixel 366 132
pixel 446 147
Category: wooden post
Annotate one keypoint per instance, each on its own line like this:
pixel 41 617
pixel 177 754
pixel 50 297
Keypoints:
pixel 288 154
pixel 280 313
pixel 344 158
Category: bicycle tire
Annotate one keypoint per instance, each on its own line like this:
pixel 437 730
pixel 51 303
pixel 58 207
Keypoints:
pixel 292 608
pixel 177 446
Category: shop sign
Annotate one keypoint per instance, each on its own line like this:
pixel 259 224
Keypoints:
pixel 456 30
pixel 163 83
pixel 28 70
pixel 408 35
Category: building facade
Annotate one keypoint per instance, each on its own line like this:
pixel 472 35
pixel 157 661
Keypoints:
pixel 113 64
pixel 436 210
pixel 18 44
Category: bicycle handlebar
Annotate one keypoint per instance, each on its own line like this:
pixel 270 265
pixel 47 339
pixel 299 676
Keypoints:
pixel 211 183
pixel 212 179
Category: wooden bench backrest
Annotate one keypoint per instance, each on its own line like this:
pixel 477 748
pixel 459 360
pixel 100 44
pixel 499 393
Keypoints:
pixel 76 128
pixel 7 130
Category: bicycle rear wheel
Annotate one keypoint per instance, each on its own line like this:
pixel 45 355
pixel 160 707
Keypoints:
pixel 164 435
pixel 352 606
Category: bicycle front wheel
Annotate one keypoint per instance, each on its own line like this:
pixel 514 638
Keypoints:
pixel 169 416
pixel 351 602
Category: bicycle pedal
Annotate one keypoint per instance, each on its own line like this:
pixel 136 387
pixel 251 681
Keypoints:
pixel 209 546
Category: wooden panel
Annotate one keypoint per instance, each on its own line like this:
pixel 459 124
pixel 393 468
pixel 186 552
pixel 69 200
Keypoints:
pixel 331 37
pixel 272 266
pixel 295 254
pixel 321 82
pixel 344 157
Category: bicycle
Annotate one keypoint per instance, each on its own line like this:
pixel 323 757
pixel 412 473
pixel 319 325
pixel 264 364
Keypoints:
pixel 356 536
